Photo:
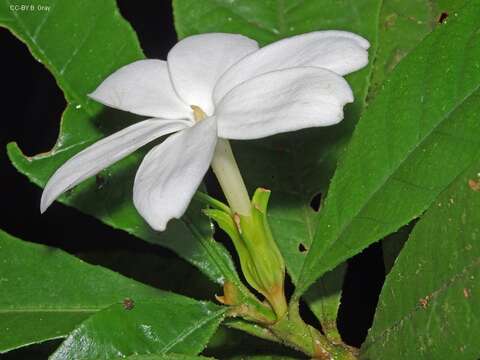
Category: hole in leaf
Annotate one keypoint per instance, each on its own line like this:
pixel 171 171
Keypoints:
pixel 443 17
pixel 302 248
pixel 316 201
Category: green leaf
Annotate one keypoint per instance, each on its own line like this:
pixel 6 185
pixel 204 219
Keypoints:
pixel 264 357
pixel 171 324
pixel 413 140
pixel 95 41
pixel 402 24
pixel 267 21
pixel 45 293
pixel 167 357
pixel 429 307
pixel 159 270
pixel 324 300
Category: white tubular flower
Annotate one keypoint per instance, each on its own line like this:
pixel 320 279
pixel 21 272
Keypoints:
pixel 213 86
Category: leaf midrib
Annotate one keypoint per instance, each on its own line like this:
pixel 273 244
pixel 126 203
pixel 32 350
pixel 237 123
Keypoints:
pixel 50 310
pixel 188 331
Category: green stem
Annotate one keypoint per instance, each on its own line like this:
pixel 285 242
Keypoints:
pixel 251 328
pixel 226 170
pixel 210 201
pixel 250 225
pixel 294 332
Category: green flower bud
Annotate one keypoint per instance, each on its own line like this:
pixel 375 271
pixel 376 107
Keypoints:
pixel 261 261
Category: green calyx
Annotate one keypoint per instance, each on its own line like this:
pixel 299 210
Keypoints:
pixel 261 261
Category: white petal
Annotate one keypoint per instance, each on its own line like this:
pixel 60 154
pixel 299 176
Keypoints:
pixel 282 101
pixel 198 61
pixel 104 153
pixel 144 88
pixel 339 51
pixel 171 173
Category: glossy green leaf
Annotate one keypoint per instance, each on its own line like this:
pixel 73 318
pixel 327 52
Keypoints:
pixel 95 41
pixel 171 324
pixel 45 293
pixel 426 111
pixel 429 307
pixel 159 270
pixel 265 357
pixel 167 357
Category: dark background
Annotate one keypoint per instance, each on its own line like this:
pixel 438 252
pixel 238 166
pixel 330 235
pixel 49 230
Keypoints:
pixel 32 105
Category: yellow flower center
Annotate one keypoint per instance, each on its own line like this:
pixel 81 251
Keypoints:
pixel 198 113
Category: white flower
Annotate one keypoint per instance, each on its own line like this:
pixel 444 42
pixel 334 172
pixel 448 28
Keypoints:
pixel 213 86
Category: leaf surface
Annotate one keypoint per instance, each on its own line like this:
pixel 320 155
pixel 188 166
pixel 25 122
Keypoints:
pixel 439 317
pixel 427 110
pixel 167 357
pixel 45 293
pixel 171 324
pixel 402 24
